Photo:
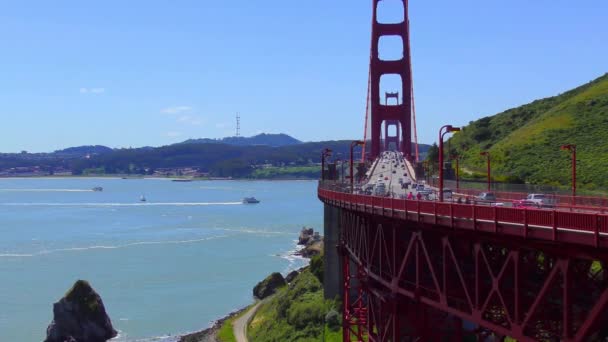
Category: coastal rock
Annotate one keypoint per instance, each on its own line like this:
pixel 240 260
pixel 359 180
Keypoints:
pixel 291 276
pixel 306 236
pixel 269 285
pixel 312 249
pixel 333 320
pixel 80 316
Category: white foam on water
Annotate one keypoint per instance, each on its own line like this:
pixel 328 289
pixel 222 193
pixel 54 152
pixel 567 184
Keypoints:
pixel 163 338
pixel 139 204
pixel 294 261
pixel 46 190
pixel 253 231
pixel 229 188
pixel 140 243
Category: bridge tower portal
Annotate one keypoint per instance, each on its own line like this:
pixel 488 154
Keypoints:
pixel 391 140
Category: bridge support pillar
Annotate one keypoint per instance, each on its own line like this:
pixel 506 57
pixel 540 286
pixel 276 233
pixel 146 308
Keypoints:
pixel 332 264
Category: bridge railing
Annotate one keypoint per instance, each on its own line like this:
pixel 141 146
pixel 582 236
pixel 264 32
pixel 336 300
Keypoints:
pixel 505 194
pixel 553 224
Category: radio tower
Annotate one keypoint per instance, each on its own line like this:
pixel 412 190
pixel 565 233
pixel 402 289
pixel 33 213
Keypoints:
pixel 238 125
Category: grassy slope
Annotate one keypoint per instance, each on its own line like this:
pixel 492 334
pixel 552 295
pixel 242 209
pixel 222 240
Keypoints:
pixel 296 313
pixel 524 142
pixel 226 331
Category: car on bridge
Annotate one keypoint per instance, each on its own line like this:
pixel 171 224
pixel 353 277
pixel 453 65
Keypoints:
pixel 524 204
pixel 486 197
pixel 541 200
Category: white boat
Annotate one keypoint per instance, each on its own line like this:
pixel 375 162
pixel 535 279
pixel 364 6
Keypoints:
pixel 250 200
pixel 142 198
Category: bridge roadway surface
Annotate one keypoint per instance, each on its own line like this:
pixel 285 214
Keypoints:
pixel 391 175
pixel 390 171
pixel 388 176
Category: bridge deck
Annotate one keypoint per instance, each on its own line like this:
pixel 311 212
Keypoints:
pixel 585 228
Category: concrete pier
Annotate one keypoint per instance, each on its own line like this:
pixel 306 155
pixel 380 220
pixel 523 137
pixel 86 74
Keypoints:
pixel 332 272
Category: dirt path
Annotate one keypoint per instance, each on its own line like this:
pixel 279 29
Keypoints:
pixel 240 324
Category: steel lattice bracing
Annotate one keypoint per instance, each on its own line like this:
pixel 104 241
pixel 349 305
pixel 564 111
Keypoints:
pixel 407 281
pixel 381 112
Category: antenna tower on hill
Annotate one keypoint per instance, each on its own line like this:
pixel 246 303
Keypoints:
pixel 238 125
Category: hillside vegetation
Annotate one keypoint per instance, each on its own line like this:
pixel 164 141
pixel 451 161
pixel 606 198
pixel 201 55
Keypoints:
pixel 298 312
pixel 524 142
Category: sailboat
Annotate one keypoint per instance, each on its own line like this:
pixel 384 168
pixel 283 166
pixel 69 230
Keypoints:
pixel 142 198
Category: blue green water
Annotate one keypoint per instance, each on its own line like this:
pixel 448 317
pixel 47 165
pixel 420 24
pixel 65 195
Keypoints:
pixel 190 254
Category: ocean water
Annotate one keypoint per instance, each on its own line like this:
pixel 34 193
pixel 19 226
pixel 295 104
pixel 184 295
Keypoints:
pixel 189 255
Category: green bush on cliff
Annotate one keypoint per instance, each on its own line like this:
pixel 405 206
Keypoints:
pixel 316 267
pixel 296 313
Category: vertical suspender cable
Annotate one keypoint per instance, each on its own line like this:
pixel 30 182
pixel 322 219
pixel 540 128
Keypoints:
pixel 413 102
pixel 369 83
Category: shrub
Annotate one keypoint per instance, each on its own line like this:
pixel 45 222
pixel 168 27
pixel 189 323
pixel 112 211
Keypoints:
pixel 316 267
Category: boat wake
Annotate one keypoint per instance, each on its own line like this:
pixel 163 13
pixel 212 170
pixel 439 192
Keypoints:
pixel 253 231
pixel 126 245
pixel 46 190
pixel 140 204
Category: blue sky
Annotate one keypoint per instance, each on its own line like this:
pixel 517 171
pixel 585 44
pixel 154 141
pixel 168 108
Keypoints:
pixel 136 73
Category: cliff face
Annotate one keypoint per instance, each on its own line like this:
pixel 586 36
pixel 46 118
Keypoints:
pixel 80 316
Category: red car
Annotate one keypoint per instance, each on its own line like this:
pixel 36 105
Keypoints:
pixel 524 204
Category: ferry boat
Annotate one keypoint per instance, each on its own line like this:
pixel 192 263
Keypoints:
pixel 250 200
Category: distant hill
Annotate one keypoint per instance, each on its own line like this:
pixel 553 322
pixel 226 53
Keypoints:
pixel 524 142
pixel 256 156
pixel 273 140
pixel 84 150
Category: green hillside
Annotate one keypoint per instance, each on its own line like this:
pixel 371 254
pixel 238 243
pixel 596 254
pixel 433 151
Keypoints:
pixel 524 142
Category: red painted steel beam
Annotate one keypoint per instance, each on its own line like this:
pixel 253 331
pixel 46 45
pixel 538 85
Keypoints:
pixel 468 278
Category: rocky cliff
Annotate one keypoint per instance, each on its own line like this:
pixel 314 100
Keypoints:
pixel 80 316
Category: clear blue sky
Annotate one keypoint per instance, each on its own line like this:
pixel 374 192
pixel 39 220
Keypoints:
pixel 136 73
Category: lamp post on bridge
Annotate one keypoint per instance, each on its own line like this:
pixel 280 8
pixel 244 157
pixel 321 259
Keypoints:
pixel 572 148
pixel 324 153
pixel 448 129
pixel 352 175
pixel 487 154
pixel 457 159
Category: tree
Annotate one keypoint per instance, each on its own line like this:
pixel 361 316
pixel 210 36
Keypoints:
pixel 433 157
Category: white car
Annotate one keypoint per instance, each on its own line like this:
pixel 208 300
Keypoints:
pixel 380 189
pixel 541 200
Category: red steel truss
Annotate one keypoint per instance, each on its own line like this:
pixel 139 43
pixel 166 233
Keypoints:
pixel 407 279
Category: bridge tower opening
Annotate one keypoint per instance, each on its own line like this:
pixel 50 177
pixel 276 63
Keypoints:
pixel 397 115
pixel 392 128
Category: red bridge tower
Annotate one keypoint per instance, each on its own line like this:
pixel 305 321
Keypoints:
pixel 399 114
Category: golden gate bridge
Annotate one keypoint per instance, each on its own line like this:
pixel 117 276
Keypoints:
pixel 410 269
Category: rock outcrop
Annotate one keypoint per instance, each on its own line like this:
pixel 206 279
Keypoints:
pixel 306 236
pixel 312 249
pixel 269 285
pixel 80 316
pixel 291 276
